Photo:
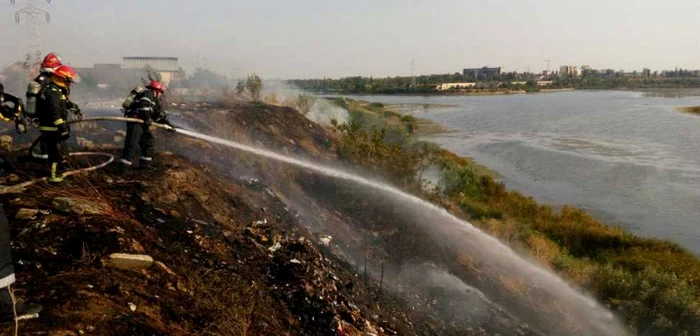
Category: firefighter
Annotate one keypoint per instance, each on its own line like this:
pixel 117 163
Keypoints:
pixel 147 107
pixel 10 109
pixel 48 66
pixel 7 278
pixel 52 113
pixel 10 106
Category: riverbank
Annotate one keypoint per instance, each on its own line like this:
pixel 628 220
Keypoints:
pixel 653 284
pixel 689 109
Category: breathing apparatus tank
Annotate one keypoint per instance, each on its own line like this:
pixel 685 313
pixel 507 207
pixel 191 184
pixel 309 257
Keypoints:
pixel 126 105
pixel 33 89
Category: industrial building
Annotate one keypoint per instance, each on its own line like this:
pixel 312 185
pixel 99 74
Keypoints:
pixel 166 67
pixel 484 73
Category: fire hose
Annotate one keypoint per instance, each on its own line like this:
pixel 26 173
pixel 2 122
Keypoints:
pixel 109 157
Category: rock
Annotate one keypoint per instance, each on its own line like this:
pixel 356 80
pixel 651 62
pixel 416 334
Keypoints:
pixel 85 143
pixel 131 262
pixel 5 143
pixel 164 268
pixel 26 213
pixel 78 206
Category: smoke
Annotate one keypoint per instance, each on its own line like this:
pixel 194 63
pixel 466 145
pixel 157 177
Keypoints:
pixel 322 112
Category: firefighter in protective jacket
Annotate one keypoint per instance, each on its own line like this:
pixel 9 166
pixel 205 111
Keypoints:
pixel 48 66
pixel 52 112
pixel 147 107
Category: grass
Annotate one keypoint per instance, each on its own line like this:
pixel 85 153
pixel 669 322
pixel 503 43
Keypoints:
pixel 653 285
pixel 689 109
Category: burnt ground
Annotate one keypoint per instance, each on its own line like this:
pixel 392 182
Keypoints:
pixel 238 243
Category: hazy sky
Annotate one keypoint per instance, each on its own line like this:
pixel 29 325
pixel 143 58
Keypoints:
pixel 332 38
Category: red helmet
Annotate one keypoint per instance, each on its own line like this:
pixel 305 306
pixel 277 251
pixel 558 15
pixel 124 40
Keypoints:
pixel 156 86
pixel 67 73
pixel 51 61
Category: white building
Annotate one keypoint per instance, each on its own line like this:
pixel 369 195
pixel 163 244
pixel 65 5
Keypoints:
pixel 447 86
pixel 569 71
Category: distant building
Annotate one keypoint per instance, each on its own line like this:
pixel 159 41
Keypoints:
pixel 484 73
pixel 448 86
pixel 166 67
pixel 106 76
pixel 569 71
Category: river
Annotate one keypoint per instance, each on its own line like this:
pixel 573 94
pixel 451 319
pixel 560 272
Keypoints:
pixel 627 158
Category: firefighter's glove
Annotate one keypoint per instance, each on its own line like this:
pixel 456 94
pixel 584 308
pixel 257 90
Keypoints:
pixel 75 109
pixel 78 114
pixel 170 127
pixel 63 131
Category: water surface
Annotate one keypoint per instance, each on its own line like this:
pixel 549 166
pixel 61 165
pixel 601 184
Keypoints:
pixel 626 157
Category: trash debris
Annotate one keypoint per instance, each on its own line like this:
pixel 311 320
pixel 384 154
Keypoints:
pixel 326 240
pixel 295 261
pixel 128 261
pixel 132 307
pixel 275 247
pixel 27 213
pixel 78 206
pixel 164 268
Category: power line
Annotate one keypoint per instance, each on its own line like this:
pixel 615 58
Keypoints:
pixel 33 14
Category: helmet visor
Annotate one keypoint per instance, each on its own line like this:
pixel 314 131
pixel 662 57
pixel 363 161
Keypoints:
pixel 76 79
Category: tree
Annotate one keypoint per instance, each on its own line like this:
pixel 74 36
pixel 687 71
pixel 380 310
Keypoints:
pixel 305 102
pixel 251 88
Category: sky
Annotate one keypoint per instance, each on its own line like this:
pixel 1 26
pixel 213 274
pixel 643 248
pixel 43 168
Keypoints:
pixel 336 38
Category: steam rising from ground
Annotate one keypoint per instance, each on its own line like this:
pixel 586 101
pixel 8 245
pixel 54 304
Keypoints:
pixel 322 112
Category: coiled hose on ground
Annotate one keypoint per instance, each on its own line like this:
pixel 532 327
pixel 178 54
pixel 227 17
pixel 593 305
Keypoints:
pixel 110 157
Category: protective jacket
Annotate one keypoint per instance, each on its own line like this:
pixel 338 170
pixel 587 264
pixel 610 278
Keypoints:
pixel 147 108
pixel 44 79
pixel 52 107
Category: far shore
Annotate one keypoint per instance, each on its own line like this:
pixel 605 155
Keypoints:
pixel 460 93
